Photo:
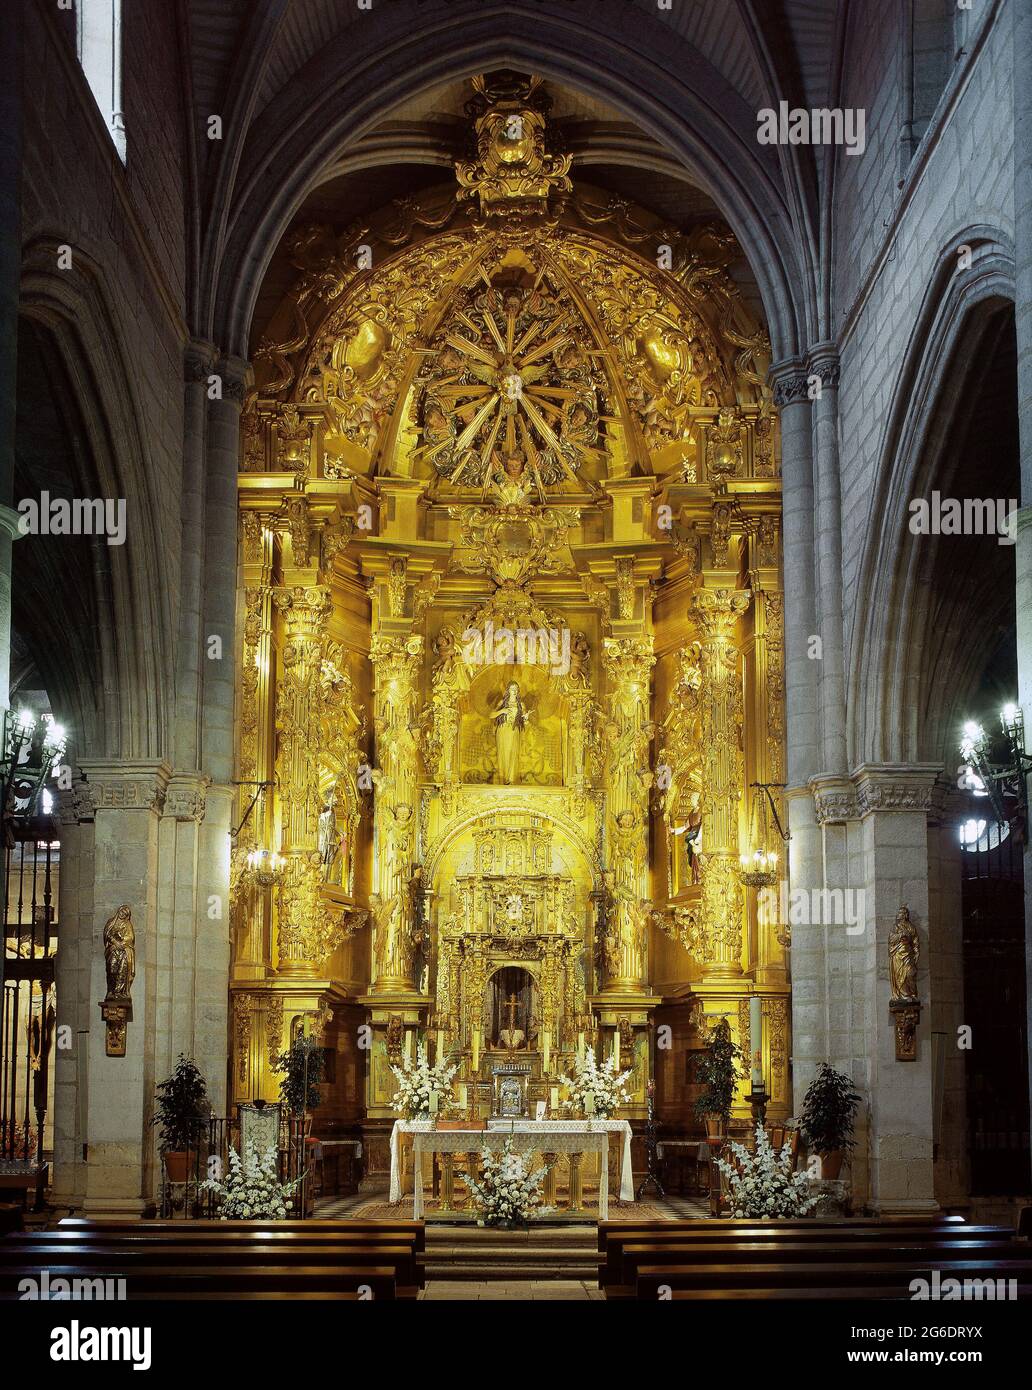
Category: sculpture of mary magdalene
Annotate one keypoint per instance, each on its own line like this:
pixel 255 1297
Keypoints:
pixel 510 719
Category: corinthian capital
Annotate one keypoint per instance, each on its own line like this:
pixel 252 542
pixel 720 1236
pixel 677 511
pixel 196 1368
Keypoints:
pixel 719 609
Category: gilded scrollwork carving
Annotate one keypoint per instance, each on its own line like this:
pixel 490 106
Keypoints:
pixel 721 713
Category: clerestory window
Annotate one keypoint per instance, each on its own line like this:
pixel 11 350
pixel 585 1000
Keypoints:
pixel 99 46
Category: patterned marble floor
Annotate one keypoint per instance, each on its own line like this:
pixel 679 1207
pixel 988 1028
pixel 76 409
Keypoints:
pixel 369 1204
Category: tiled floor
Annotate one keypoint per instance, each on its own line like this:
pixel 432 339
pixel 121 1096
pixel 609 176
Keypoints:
pixel 670 1208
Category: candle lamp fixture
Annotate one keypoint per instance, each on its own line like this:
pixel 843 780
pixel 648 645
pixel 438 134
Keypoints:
pixel 1005 782
pixel 265 866
pixel 33 746
pixel 758 865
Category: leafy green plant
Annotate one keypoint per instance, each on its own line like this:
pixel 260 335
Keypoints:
pixel 829 1110
pixel 719 1073
pixel 302 1066
pixel 182 1106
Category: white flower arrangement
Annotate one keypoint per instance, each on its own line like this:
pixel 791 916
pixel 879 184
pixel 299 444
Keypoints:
pixel 606 1086
pixel 253 1191
pixel 508 1192
pixel 415 1082
pixel 762 1184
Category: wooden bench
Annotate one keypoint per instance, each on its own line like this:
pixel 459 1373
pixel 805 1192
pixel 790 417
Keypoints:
pixel 834 1278
pixel 238 1259
pixel 228 1280
pixel 275 1229
pixel 815 1257
pixel 127 1258
pixel 611 1261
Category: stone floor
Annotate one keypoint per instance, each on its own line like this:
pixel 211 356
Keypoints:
pixel 495 1290
pixel 548 1262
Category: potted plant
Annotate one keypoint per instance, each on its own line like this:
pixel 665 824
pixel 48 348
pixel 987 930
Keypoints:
pixel 828 1114
pixel 302 1066
pixel 182 1105
pixel 719 1074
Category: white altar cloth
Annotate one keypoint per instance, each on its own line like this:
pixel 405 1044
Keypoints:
pixel 541 1128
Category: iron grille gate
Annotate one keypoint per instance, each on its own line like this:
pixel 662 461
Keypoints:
pixel 28 1014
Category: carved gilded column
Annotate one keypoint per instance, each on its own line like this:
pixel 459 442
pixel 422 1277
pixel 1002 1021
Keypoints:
pixel 396 663
pixel 298 708
pixel 629 662
pixel 717 612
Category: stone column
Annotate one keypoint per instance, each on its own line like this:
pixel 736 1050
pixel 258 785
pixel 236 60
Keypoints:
pixel 720 702
pixel 893 804
pixel 128 798
pixel 193 929
pixel 1021 49
pixel 220 568
pixel 824 365
pixel 801 670
pixel 801 680
pixel 198 364
pixel 76 1008
pixel 10 279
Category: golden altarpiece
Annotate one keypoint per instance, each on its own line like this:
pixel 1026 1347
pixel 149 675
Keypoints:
pixel 512 642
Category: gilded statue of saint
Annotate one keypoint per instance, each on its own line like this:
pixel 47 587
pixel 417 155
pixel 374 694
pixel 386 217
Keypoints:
pixel 120 953
pixel 510 719
pixel 904 952
pixel 390 943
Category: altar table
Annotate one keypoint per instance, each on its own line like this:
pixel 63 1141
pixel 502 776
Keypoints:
pixel 536 1136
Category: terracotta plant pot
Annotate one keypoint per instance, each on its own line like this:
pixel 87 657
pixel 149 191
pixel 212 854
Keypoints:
pixel 831 1164
pixel 177 1166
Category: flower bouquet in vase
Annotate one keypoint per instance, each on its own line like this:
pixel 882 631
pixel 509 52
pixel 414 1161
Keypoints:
pixel 595 1090
pixel 508 1191
pixel 253 1191
pixel 419 1084
pixel 762 1184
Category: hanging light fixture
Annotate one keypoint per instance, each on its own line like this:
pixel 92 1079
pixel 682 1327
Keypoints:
pixel 33 746
pixel 758 864
pixel 265 866
pixel 1004 784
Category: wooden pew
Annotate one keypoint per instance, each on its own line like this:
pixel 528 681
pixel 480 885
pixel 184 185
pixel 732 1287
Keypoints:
pixel 126 1259
pixel 611 1261
pixel 815 1257
pixel 270 1229
pixel 159 1280
pixel 170 1258
pixel 834 1279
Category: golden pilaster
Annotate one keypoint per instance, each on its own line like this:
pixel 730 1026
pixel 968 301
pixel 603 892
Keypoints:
pixel 717 612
